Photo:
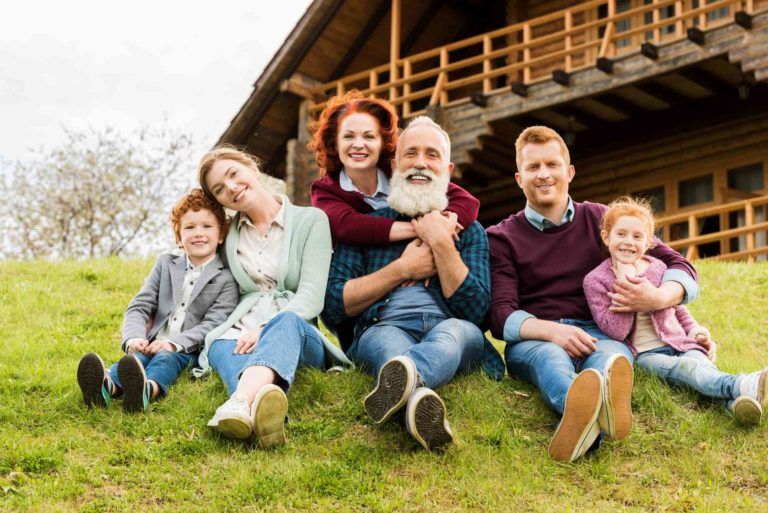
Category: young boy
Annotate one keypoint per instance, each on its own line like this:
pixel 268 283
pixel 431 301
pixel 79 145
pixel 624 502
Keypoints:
pixel 164 327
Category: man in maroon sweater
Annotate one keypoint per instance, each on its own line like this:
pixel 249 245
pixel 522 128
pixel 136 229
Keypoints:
pixel 539 258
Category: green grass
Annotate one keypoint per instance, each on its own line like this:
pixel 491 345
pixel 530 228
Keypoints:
pixel 684 454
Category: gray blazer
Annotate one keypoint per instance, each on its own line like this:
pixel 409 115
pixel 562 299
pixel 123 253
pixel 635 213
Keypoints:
pixel 214 297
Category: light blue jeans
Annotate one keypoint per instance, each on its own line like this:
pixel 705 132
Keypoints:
pixel 549 367
pixel 287 342
pixel 692 369
pixel 440 346
pixel 163 368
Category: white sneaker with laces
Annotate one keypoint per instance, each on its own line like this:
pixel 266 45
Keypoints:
pixel 755 385
pixel 233 418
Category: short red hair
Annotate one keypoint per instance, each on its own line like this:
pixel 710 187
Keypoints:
pixel 634 207
pixel 327 129
pixel 197 200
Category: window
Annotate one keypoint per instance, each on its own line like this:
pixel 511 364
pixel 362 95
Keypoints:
pixel 747 178
pixel 657 197
pixel 695 191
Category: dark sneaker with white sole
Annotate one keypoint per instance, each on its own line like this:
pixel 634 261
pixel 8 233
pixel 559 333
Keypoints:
pixel 426 419
pixel 137 391
pixel 394 385
pixel 94 381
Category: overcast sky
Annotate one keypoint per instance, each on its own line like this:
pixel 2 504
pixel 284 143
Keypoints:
pixel 84 63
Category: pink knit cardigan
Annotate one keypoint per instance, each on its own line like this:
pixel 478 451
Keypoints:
pixel 674 325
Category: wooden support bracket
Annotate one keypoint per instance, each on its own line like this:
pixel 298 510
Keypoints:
pixel 302 86
pixel 519 88
pixel 605 65
pixel 743 19
pixel 561 77
pixel 649 50
pixel 696 35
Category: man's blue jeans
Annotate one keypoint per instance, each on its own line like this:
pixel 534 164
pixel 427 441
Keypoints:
pixel 439 346
pixel 287 342
pixel 163 368
pixel 692 369
pixel 549 367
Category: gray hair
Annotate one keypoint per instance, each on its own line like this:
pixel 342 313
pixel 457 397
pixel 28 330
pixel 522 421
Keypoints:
pixel 428 122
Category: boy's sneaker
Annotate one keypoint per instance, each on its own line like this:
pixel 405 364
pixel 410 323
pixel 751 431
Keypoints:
pixel 94 381
pixel 137 390
pixel 615 417
pixel 233 418
pixel 268 413
pixel 425 419
pixel 394 385
pixel 747 410
pixel 578 429
pixel 755 385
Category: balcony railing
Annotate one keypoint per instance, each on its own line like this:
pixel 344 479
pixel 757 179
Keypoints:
pixel 744 235
pixel 529 52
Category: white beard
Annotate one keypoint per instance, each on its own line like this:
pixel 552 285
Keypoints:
pixel 415 200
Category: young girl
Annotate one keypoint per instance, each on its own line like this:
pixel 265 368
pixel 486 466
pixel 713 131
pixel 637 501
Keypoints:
pixel 667 342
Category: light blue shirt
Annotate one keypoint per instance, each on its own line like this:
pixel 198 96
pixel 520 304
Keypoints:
pixel 518 317
pixel 378 199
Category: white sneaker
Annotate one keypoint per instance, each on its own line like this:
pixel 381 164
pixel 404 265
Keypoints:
pixel 394 385
pixel 578 429
pixel 268 416
pixel 425 419
pixel 615 416
pixel 755 385
pixel 747 410
pixel 233 418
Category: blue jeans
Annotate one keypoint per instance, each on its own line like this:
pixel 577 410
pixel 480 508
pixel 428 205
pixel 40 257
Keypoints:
pixel 287 342
pixel 692 369
pixel 439 346
pixel 163 368
pixel 549 367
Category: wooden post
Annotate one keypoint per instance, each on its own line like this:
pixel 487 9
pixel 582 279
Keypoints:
pixel 406 88
pixel 373 80
pixel 487 48
pixel 749 6
pixel 693 228
pixel 611 48
pixel 656 19
pixel 339 88
pixel 749 220
pixel 526 53
pixel 443 64
pixel 568 40
pixel 679 24
pixel 394 46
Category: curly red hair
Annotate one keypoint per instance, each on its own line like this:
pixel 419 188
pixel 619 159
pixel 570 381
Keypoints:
pixel 197 200
pixel 327 128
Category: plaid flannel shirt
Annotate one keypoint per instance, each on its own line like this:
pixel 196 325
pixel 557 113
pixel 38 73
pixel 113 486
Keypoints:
pixel 470 302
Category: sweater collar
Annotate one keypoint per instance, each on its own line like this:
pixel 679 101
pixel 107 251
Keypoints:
pixel 541 223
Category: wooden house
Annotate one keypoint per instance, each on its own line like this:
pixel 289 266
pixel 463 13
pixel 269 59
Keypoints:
pixel 663 98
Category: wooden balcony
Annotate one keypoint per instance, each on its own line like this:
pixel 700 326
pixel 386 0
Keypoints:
pixel 742 232
pixel 552 47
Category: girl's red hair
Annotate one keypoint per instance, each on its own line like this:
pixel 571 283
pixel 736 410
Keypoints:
pixel 327 128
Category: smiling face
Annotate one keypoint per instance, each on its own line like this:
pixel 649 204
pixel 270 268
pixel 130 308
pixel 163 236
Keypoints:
pixel 234 185
pixel 628 239
pixel 199 235
pixel 544 176
pixel 359 142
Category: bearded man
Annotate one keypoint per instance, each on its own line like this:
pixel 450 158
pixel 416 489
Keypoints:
pixel 419 303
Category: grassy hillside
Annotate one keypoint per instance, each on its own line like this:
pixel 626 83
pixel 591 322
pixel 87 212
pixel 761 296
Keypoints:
pixel 684 454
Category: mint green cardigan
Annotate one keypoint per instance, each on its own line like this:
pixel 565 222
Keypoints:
pixel 302 275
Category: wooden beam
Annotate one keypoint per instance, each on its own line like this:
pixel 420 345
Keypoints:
pixel 662 93
pixel 620 105
pixel 301 85
pixel 707 81
pixel 418 28
pixel 394 44
pixel 581 116
pixel 361 39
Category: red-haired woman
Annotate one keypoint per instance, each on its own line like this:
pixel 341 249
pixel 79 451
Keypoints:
pixel 355 144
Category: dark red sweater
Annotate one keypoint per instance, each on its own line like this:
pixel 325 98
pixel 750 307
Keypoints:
pixel 542 272
pixel 351 224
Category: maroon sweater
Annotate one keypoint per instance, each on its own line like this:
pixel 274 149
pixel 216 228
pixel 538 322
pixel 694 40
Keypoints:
pixel 351 224
pixel 542 272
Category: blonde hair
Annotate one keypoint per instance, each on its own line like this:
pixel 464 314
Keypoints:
pixel 428 122
pixel 224 152
pixel 539 135
pixel 628 206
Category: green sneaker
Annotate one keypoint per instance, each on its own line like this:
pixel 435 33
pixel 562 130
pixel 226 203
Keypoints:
pixel 94 381
pixel 137 391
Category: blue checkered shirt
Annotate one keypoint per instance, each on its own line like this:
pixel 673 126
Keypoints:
pixel 469 302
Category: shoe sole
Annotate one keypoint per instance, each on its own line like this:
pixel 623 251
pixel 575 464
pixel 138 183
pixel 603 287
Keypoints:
pixel 90 377
pixel 582 406
pixel 269 416
pixel 234 428
pixel 762 390
pixel 133 379
pixel 392 390
pixel 619 379
pixel 747 411
pixel 426 420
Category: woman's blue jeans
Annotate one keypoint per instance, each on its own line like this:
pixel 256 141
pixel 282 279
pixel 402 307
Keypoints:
pixel 287 342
